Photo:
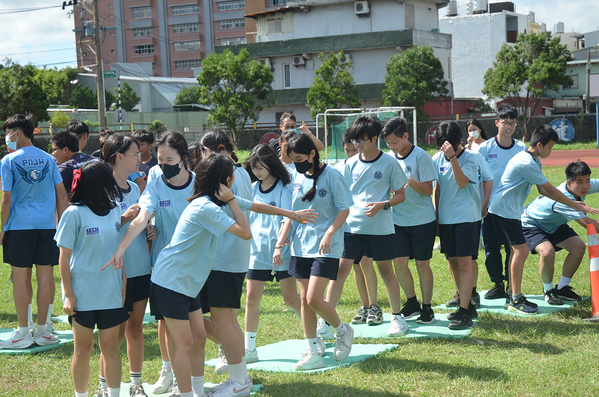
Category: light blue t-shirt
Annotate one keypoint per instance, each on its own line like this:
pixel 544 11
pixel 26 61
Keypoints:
pixel 369 182
pixel 485 174
pixel 184 265
pixel 458 205
pixel 168 202
pixel 340 166
pixel 417 209
pixel 332 195
pixel 30 175
pixel 549 215
pixel 137 257
pixel 498 156
pixel 233 253
pixel 521 173
pixel 93 240
pixel 154 173
pixel 265 228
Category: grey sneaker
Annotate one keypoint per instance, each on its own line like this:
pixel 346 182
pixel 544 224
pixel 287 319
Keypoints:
pixel 375 315
pixel 343 344
pixel 552 298
pixel 222 366
pixel 175 389
pixel 360 318
pixel 137 391
pixel 454 302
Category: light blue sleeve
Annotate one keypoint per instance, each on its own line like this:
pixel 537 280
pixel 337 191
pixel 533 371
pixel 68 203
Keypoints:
pixel 594 186
pixel 532 174
pixel 244 204
pixel 485 170
pixel 470 167
pixel 567 212
pixel 398 178
pixel 426 168
pixel 215 220
pixel 286 201
pixel 6 175
pixel 341 193
pixel 66 233
pixel 149 198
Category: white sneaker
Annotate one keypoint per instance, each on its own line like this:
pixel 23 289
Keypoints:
pixel 137 391
pixel 31 328
pixel 321 346
pixel 174 389
pixel 16 341
pixel 50 326
pixel 251 356
pixel 398 326
pixel 324 330
pixel 221 385
pixel 234 389
pixel 47 338
pixel 437 245
pixel 310 360
pixel 164 382
pixel 343 344
pixel 222 366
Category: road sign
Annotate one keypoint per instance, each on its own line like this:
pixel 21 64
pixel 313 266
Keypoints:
pixel 123 115
pixel 110 74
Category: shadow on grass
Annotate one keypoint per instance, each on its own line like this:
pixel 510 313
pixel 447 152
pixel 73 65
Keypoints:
pixel 9 317
pixel 308 388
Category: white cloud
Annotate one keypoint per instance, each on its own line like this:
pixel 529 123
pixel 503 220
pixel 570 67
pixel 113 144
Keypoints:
pixel 578 16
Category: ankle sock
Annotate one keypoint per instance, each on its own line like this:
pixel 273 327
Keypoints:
pixel 197 384
pixel 250 340
pixel 474 290
pixel 103 384
pixel 114 392
pixel 23 331
pixel 412 300
pixel 341 329
pixel 135 377
pixel 29 314
pixel 166 364
pixel 312 344
pixel 516 297
pixel 564 282
pixel 49 316
pixel 84 394
pixel 547 286
pixel 236 372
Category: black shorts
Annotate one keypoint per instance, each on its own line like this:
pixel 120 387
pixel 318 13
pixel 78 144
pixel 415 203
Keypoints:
pixel 138 289
pixel 24 248
pixel 319 267
pixel 266 275
pixel 416 242
pixel 168 303
pixel 379 248
pixel 222 289
pixel 104 319
pixel 508 231
pixel 535 236
pixel 460 239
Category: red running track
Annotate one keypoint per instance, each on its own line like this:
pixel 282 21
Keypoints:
pixel 563 157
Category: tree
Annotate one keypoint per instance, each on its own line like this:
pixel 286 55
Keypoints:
pixel 414 78
pixel 109 99
pixel 188 95
pixel 56 83
pixel 85 98
pixel 236 87
pixel 60 119
pixel 129 98
pixel 20 92
pixel 522 72
pixel 333 86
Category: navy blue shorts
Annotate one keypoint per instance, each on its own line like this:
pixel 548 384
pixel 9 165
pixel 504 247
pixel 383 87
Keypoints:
pixel 535 236
pixel 267 275
pixel 460 239
pixel 168 303
pixel 24 248
pixel 379 248
pixel 138 289
pixel 222 289
pixel 104 319
pixel 416 242
pixel 319 267
pixel 508 231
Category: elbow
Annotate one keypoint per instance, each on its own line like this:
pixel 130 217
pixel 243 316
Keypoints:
pixel 247 234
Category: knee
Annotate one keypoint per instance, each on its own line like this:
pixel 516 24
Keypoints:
pixel 291 299
pixel 83 350
pixel 313 301
pixel 253 299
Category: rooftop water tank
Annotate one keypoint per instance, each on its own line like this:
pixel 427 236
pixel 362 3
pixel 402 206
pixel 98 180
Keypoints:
pixel 558 27
pixel 452 8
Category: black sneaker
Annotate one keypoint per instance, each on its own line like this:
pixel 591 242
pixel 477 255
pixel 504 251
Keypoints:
pixel 552 298
pixel 375 315
pixel 410 309
pixel 427 315
pixel 497 292
pixel 454 315
pixel 461 321
pixel 472 310
pixel 523 306
pixel 475 300
pixel 360 318
pixel 567 293
pixel 453 302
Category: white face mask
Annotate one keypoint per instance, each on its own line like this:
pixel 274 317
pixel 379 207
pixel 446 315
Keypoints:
pixel 474 134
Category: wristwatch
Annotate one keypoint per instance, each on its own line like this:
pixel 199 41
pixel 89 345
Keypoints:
pixel 387 205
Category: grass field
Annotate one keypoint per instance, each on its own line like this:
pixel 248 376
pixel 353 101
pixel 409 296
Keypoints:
pixel 553 355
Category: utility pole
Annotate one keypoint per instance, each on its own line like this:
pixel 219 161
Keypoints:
pixel 99 69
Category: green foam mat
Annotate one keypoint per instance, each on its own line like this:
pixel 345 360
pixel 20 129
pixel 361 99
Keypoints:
pixel 497 306
pixel 148 318
pixel 282 356
pixel 64 337
pixel 438 329
pixel 148 389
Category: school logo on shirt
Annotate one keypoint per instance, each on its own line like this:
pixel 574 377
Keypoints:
pixel 407 170
pixel 90 231
pixel 117 226
pixel 378 175
pixel 35 175
pixel 443 168
pixel 123 206
pixel 355 176
pixel 322 192
pixel 492 155
pixel 273 204
pixel 296 185
pixel 165 203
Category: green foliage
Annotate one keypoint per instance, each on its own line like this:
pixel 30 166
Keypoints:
pixel 56 83
pixel 83 98
pixel 91 123
pixel 21 92
pixel 129 98
pixel 109 99
pixel 236 87
pixel 60 119
pixel 157 127
pixel 414 78
pixel 534 64
pixel 188 95
pixel 480 106
pixel 333 86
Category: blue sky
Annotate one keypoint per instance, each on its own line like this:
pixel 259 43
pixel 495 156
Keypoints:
pixel 45 37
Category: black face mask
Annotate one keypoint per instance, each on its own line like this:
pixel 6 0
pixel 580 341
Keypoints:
pixel 302 167
pixel 170 171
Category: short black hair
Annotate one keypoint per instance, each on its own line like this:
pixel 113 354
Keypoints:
pixel 507 112
pixel 345 139
pixel 478 124
pixel 369 126
pixel 543 134
pixel 116 144
pixel 266 156
pixel 177 141
pixel 144 136
pixel 287 135
pixel 66 139
pixel 451 132
pixel 78 128
pixel 577 168
pixel 104 132
pixel 20 122
pixel 97 188
pixel 395 125
pixel 287 115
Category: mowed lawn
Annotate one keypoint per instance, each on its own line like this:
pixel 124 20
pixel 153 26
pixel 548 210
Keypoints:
pixel 553 355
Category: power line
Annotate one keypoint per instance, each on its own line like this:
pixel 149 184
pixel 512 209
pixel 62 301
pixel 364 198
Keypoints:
pixel 21 10
pixel 37 52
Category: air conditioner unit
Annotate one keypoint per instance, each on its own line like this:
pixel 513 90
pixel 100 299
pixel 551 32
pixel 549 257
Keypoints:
pixel 298 60
pixel 265 61
pixel 361 8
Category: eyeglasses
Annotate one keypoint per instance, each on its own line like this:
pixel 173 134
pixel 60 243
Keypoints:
pixel 359 142
pixel 54 150
pixel 507 124
pixel 138 155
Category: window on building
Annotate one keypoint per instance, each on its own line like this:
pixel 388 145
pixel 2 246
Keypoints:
pixel 574 85
pixel 189 9
pixel 231 24
pixel 233 41
pixel 188 45
pixel 84 53
pixel 274 26
pixel 186 28
pixel 113 51
pixel 144 49
pixel 112 33
pixel 231 5
pixel 188 64
pixel 278 2
pixel 286 76
pixel 142 12
pixel 153 67
pixel 142 32
pixel 110 5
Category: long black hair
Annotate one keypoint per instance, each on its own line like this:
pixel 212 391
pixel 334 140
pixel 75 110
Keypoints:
pixel 302 144
pixel 264 155
pixel 195 153
pixel 217 141
pixel 116 144
pixel 449 131
pixel 96 188
pixel 211 172
pixel 177 141
pixel 478 124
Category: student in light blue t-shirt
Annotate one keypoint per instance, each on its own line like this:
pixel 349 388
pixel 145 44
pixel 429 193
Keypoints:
pixel 507 202
pixel 414 220
pixel 87 234
pixel 546 230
